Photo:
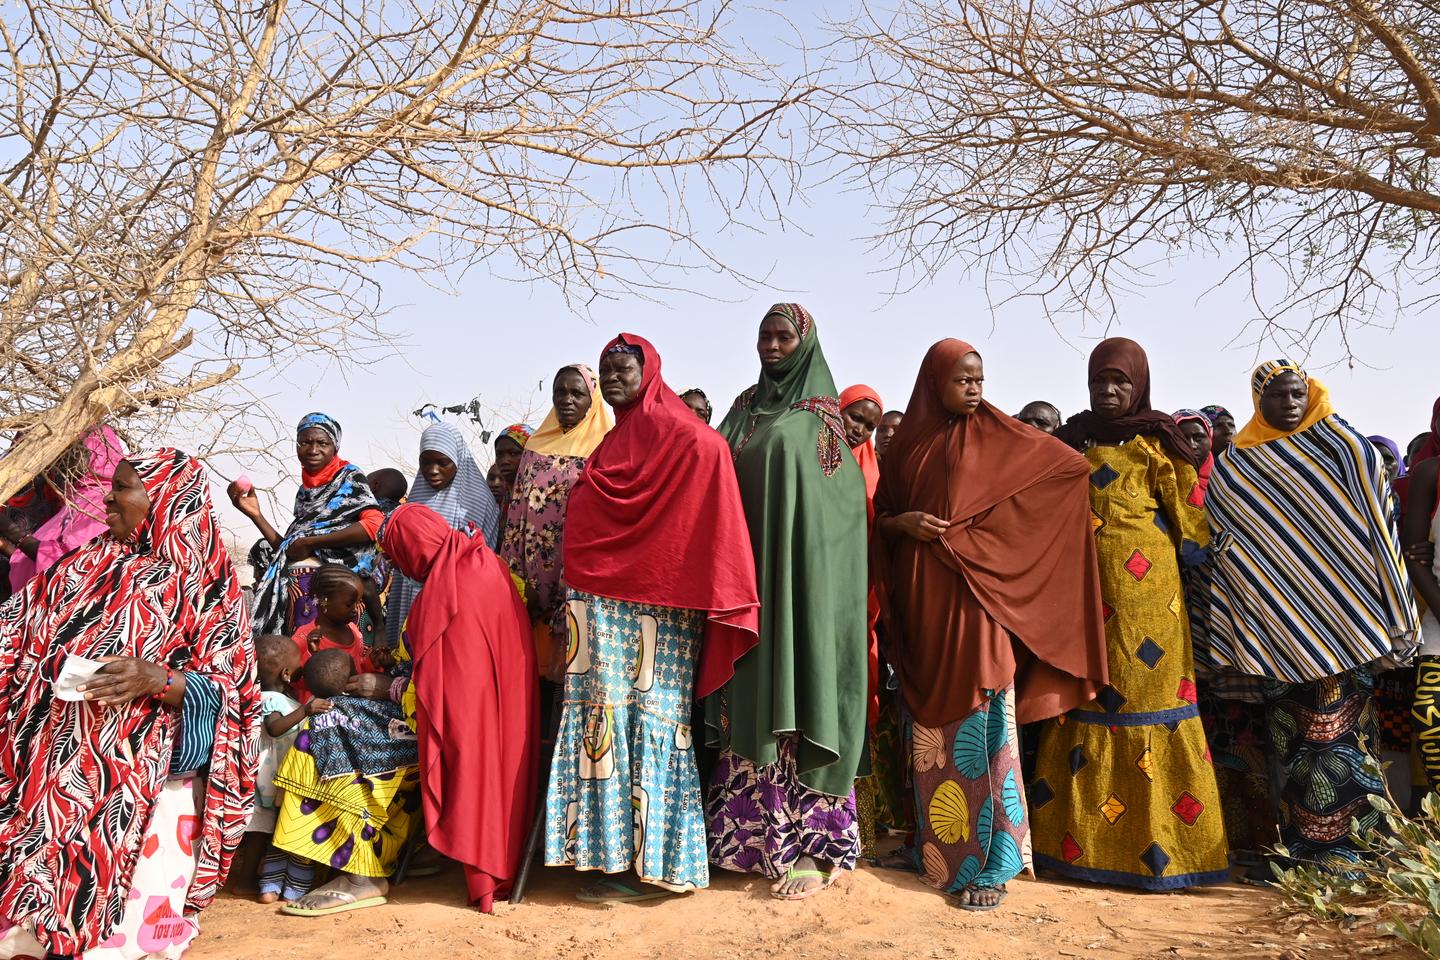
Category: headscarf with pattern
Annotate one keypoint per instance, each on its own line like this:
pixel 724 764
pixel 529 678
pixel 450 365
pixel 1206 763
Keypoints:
pixel 76 808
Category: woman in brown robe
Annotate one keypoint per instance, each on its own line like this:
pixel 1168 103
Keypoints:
pixel 988 566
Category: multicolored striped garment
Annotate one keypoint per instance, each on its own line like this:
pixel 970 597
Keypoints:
pixel 1311 582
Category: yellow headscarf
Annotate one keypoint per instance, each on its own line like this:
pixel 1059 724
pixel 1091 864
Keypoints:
pixel 1258 430
pixel 581 439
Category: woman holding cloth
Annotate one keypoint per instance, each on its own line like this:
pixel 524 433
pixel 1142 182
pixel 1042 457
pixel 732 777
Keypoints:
pixel 1310 594
pixel 993 610
pixel 119 814
pixel 792 719
pixel 661 604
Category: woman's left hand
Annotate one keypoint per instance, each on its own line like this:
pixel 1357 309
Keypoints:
pixel 372 686
pixel 123 679
pixel 299 549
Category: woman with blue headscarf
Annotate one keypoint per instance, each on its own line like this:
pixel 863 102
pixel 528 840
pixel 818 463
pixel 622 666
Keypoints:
pixel 451 483
pixel 336 521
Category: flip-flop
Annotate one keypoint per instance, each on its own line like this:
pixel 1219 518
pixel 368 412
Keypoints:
pixel 897 860
pixel 623 893
pixel 348 902
pixel 793 874
pixel 983 907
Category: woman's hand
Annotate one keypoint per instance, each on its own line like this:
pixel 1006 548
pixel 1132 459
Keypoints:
pixel 1422 553
pixel 244 500
pixel 123 679
pixel 371 686
pixel 299 549
pixel 921 526
pixel 382 658
pixel 318 705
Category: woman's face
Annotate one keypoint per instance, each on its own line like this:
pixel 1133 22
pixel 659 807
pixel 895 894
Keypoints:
pixel 966 387
pixel 127 503
pixel 620 376
pixel 1283 401
pixel 861 418
pixel 1111 393
pixel 1198 436
pixel 571 396
pixel 778 339
pixel 1224 431
pixel 699 405
pixel 499 489
pixel 315 449
pixel 886 431
pixel 437 469
pixel 507 458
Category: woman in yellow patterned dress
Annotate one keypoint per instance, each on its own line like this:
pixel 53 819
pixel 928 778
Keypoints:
pixel 1124 791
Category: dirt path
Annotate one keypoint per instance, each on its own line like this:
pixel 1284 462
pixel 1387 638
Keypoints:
pixel 871 914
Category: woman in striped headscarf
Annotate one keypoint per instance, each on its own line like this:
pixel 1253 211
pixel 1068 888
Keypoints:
pixel 1309 592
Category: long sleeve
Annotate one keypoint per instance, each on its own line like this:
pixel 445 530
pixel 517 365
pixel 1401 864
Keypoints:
pixel 199 713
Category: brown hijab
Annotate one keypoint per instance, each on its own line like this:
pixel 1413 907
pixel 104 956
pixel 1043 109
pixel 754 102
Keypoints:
pixel 1128 357
pixel 1011 592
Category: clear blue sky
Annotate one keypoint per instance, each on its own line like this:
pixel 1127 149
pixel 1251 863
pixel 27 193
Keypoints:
pixel 498 340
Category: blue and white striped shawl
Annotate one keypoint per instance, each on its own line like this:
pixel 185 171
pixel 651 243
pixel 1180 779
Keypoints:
pixel 1312 582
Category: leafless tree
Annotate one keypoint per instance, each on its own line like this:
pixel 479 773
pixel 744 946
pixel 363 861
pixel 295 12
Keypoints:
pixel 191 189
pixel 1063 146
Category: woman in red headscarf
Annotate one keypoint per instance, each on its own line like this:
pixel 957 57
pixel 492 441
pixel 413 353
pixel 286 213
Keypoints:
pixel 1124 789
pixel 661 578
pixel 992 603
pixel 860 412
pixel 476 712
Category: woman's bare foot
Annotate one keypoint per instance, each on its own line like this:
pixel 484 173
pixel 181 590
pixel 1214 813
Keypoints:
pixel 269 897
pixel 980 898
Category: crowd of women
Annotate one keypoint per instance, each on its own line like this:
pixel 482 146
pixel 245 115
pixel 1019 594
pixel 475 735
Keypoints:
pixel 1127 647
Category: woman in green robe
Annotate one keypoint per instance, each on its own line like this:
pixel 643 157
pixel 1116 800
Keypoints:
pixel 791 722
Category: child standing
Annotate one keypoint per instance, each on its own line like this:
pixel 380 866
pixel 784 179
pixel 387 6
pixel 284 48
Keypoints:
pixel 339 594
pixel 283 876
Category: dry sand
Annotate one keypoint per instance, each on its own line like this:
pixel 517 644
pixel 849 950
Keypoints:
pixel 870 914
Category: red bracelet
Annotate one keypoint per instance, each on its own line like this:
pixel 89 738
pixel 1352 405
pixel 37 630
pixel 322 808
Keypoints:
pixel 169 679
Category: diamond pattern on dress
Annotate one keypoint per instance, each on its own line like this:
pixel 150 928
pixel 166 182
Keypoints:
pixel 1161 523
pixel 1110 698
pixel 1188 809
pixel 1112 809
pixel 1106 611
pixel 1146 763
pixel 1103 476
pixel 1096 523
pixel 1175 606
pixel 1040 793
pixel 1186 691
pixel 1197 496
pixel 1077 759
pixel 1155 858
pixel 1138 565
pixel 1150 652
pixel 1070 851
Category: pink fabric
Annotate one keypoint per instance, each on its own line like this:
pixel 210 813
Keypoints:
pixel 81 518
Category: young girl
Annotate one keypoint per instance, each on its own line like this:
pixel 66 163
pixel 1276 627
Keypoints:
pixel 282 875
pixel 339 594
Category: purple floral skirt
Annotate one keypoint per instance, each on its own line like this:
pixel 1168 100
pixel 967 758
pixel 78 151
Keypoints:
pixel 763 819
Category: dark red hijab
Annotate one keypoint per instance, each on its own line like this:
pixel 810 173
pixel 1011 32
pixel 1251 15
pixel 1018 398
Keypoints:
pixel 1019 559
pixel 656 519
pixel 1128 357
pixel 476 700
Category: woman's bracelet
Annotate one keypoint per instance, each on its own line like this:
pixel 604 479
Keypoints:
pixel 169 679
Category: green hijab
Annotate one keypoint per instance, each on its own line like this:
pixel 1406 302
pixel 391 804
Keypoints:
pixel 804 499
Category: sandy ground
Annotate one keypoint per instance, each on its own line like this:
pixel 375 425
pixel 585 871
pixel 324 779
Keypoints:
pixel 869 914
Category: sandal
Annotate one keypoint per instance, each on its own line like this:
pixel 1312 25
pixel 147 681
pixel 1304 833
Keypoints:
pixel 983 907
pixel 828 880
pixel 897 860
pixel 610 890
pixel 348 902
